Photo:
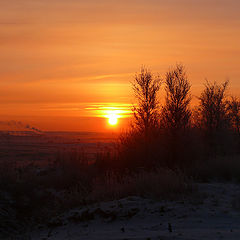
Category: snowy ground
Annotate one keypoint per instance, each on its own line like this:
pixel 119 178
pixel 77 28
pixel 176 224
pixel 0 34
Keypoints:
pixel 212 213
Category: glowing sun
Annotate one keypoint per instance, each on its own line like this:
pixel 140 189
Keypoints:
pixel 112 119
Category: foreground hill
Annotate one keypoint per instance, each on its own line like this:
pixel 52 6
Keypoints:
pixel 213 212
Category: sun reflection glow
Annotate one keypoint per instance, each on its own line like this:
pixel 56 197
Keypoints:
pixel 112 112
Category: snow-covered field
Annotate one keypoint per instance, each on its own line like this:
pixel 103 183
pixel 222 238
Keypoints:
pixel 213 212
pixel 26 147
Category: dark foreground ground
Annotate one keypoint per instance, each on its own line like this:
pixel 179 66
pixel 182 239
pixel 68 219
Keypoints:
pixel 213 212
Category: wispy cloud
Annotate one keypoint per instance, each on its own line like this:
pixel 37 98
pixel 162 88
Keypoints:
pixel 9 23
pixel 93 109
pixel 104 109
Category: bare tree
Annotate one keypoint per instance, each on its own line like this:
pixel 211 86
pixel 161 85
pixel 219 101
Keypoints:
pixel 213 106
pixel 233 111
pixel 176 113
pixel 146 87
pixel 136 146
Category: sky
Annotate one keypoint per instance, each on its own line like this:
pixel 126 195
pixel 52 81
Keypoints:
pixel 66 64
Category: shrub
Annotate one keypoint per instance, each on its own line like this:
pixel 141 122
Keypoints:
pixel 159 184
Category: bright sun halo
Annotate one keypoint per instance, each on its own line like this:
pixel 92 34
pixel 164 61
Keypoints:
pixel 112 119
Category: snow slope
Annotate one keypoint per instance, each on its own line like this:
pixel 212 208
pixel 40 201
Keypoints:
pixel 212 213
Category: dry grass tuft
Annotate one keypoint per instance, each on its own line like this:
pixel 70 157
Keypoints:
pixel 160 184
pixel 225 168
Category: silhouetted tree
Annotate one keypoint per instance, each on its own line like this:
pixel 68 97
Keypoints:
pixel 233 111
pixel 146 87
pixel 146 114
pixel 176 113
pixel 213 118
pixel 175 117
pixel 213 107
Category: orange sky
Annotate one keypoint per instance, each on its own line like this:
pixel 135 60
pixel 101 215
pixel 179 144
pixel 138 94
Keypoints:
pixel 61 60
